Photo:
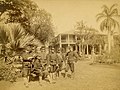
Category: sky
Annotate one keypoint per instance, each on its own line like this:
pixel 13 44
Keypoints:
pixel 65 13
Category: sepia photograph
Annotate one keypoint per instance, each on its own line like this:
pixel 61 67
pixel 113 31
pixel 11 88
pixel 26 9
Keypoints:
pixel 59 44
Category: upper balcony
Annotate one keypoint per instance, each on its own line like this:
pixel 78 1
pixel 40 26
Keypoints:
pixel 67 38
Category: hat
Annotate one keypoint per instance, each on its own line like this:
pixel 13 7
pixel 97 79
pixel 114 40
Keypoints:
pixel 42 47
pixel 52 48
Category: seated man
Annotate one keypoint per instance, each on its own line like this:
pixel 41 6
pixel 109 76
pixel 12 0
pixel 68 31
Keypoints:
pixel 26 69
pixel 36 70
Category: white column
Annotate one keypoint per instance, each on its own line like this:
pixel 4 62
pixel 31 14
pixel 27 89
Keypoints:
pixel 75 38
pixel 60 41
pixel 68 41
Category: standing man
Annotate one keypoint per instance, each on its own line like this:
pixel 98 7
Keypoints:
pixel 61 62
pixel 43 59
pixel 43 56
pixel 93 57
pixel 71 57
pixel 52 62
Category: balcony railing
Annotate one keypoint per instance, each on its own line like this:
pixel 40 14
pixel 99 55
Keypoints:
pixel 66 41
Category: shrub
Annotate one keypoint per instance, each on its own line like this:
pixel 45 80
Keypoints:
pixel 7 72
pixel 115 54
pixel 113 57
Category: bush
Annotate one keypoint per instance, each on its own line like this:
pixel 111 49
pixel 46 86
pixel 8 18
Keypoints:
pixel 101 58
pixel 113 57
pixel 115 54
pixel 7 72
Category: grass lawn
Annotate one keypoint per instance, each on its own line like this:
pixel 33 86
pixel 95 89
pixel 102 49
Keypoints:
pixel 4 85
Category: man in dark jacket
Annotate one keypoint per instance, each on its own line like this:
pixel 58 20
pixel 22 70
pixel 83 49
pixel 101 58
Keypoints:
pixel 37 69
pixel 52 61
pixel 71 57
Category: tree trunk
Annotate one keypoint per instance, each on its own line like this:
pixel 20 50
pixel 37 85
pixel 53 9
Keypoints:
pixel 112 41
pixel 109 41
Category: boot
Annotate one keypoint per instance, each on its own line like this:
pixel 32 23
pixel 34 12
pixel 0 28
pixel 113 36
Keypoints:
pixel 72 75
pixel 40 80
pixel 26 82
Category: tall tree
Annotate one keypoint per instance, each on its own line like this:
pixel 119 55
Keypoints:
pixel 18 11
pixel 35 21
pixel 41 26
pixel 109 22
pixel 84 33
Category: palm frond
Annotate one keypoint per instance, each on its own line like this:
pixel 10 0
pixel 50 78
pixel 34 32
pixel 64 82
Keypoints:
pixel 116 23
pixel 112 7
pixel 14 45
pixel 27 39
pixel 16 32
pixel 100 18
pixel 106 10
pixel 4 38
pixel 114 12
pixel 100 14
pixel 103 25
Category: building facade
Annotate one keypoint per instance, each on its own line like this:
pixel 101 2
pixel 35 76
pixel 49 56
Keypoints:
pixel 64 40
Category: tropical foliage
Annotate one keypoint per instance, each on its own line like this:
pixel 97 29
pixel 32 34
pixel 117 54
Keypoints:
pixel 19 11
pixel 84 33
pixel 14 41
pixel 87 35
pixel 35 21
pixel 41 26
pixel 109 21
pixel 14 37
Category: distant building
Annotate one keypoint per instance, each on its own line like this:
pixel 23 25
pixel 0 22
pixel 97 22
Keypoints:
pixel 64 40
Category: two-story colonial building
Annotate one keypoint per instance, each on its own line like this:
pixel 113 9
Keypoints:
pixel 64 40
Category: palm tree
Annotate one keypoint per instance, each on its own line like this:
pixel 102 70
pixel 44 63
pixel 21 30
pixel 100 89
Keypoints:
pixel 80 30
pixel 108 22
pixel 18 39
pixel 14 38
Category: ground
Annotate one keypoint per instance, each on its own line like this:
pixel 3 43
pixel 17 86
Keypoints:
pixel 87 77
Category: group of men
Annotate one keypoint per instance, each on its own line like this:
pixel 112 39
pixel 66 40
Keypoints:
pixel 49 65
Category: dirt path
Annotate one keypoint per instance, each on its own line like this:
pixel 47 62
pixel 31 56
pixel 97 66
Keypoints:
pixel 87 77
